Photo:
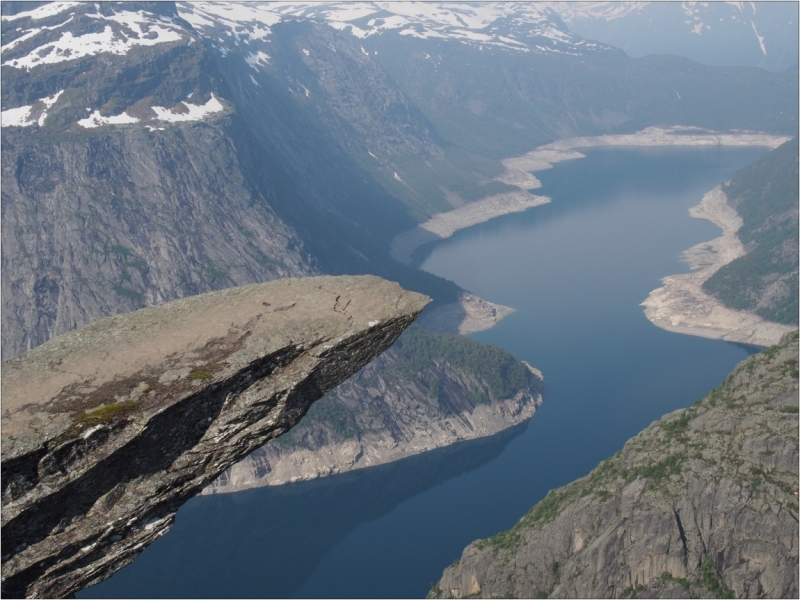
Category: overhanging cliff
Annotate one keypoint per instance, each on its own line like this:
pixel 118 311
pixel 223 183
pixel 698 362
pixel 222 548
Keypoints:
pixel 108 429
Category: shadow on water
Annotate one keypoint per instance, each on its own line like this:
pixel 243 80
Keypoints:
pixel 265 542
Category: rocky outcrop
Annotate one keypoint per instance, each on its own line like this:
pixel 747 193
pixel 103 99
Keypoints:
pixel 107 430
pixel 389 411
pixel 443 225
pixel 703 503
pixel 468 315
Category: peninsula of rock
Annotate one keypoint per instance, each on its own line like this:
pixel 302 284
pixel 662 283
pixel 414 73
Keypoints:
pixel 109 429
pixel 401 404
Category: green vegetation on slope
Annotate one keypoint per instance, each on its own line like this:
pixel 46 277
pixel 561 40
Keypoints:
pixel 414 360
pixel 733 452
pixel 764 281
pixel 504 374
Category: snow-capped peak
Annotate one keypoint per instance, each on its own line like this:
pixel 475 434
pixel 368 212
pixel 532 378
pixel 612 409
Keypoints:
pixel 521 26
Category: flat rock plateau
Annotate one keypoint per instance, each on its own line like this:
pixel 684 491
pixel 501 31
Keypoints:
pixel 109 429
pixel 701 504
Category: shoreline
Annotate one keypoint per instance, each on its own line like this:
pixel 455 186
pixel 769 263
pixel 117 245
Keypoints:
pixel 519 172
pixel 442 225
pixel 469 315
pixel 681 305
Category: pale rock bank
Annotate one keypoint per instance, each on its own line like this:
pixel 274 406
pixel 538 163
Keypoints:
pixel 682 306
pixel 519 172
pixel 468 315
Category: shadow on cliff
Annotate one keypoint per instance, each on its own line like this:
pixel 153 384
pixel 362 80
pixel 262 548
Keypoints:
pixel 289 529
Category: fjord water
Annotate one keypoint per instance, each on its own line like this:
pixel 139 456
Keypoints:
pixel 576 271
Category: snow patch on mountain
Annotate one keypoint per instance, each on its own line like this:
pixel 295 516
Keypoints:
pixel 43 12
pixel 259 58
pixel 246 21
pixel 182 112
pixel 22 116
pixel 16 117
pixel 195 112
pixel 509 25
pixel 130 29
pixel 758 37
pixel 570 11
pixel 31 33
pixel 97 120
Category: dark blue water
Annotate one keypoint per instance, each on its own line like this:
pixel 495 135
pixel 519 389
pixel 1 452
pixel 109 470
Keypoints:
pixel 576 271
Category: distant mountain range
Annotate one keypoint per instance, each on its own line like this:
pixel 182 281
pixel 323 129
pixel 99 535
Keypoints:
pixel 519 26
pixel 759 34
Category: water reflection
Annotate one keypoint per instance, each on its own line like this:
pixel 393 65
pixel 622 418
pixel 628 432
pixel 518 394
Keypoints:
pixel 265 542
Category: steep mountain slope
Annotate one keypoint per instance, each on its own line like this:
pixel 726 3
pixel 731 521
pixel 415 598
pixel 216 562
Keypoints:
pixel 703 503
pixel 105 211
pixel 494 80
pixel 173 220
pixel 134 173
pixel 764 281
pixel 427 391
pixel 307 135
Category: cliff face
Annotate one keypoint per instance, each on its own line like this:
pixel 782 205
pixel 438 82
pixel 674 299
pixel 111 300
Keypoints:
pixel 151 152
pixel 153 165
pixel 703 503
pixel 392 409
pixel 107 430
pixel 112 222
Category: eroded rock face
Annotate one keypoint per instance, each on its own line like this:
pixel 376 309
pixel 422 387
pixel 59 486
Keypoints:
pixel 383 413
pixel 703 503
pixel 109 429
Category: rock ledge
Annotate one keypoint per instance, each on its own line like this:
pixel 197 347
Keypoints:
pixel 109 429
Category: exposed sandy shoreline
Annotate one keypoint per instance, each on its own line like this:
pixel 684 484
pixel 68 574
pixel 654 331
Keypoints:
pixel 519 171
pixel 468 315
pixel 445 224
pixel 683 307
pixel 662 305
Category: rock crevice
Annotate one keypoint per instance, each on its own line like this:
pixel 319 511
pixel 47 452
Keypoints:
pixel 109 429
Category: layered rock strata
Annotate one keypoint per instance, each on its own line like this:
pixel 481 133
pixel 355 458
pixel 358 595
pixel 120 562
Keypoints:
pixel 703 503
pixel 108 429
